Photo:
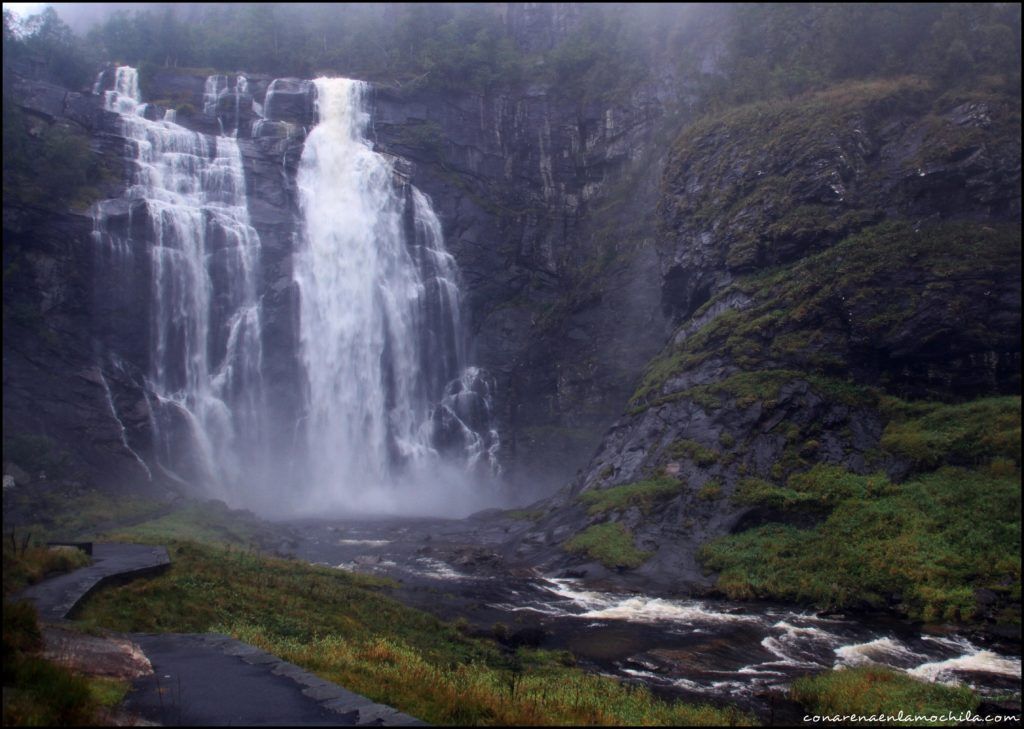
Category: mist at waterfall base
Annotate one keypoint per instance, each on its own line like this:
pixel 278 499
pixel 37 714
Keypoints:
pixel 394 418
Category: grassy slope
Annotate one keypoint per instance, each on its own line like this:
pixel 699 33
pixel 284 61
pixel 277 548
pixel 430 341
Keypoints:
pixel 954 526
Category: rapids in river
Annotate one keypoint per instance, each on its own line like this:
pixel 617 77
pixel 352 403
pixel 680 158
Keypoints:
pixel 699 649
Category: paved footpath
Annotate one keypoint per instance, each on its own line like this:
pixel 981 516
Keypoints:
pixel 57 598
pixel 209 679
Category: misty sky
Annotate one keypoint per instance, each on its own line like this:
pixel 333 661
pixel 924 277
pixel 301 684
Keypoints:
pixel 80 16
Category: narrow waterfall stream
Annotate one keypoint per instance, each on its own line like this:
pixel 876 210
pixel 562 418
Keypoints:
pixel 382 341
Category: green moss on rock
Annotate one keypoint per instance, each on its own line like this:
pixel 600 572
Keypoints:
pixel 643 494
pixel 611 544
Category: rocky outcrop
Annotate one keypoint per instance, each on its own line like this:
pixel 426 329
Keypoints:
pixel 824 259
pixel 64 418
pixel 773 182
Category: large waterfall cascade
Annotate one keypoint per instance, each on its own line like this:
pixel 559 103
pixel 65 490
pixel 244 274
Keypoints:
pixel 205 348
pixel 394 419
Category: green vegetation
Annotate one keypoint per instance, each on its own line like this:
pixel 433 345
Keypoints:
pixel 40 693
pixel 474 694
pixel 345 628
pixel 210 521
pixel 610 543
pixel 27 565
pixel 693 450
pixel 874 690
pixel 81 515
pixel 933 540
pixel 46 43
pixel 711 491
pixel 792 329
pixel 426 138
pixel 35 453
pixel 525 514
pixel 643 494
pixel 597 52
pixel 969 433
pixel 783 49
pixel 49 165
pixel 822 485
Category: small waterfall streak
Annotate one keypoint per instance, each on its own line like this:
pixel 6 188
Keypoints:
pixel 120 425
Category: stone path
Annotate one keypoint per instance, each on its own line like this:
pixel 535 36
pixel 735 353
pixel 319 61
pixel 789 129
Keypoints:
pixel 57 598
pixel 209 679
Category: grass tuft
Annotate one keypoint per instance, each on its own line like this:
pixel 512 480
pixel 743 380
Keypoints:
pixel 611 544
pixel 643 494
pixel 874 691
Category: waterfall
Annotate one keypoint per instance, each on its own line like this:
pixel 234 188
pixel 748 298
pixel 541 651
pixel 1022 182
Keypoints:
pixel 394 417
pixel 204 353
pixel 218 87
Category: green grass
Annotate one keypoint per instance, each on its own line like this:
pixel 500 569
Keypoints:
pixel 968 433
pixel 643 494
pixel 822 485
pixel 711 491
pixel 525 514
pixel 611 544
pixel 701 455
pixel 346 628
pixel 24 567
pixel 479 695
pixel 211 521
pixel 872 691
pixel 885 276
pixel 932 540
pixel 80 516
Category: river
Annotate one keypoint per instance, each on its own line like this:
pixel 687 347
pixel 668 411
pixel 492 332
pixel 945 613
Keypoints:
pixel 713 650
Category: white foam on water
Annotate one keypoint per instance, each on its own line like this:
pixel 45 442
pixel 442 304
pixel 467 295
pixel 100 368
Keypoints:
pixel 439 570
pixel 637 608
pixel 784 653
pixel 654 610
pixel 880 650
pixel 365 542
pixel 982 661
pixel 794 631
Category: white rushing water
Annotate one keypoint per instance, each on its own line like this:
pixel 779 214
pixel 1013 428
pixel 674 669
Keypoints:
pixel 205 351
pixel 394 416
pixel 784 643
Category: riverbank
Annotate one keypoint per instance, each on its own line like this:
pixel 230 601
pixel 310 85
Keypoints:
pixel 508 647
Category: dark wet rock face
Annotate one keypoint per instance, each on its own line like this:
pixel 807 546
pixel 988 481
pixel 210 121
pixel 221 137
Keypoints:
pixel 817 257
pixel 774 182
pixel 542 203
